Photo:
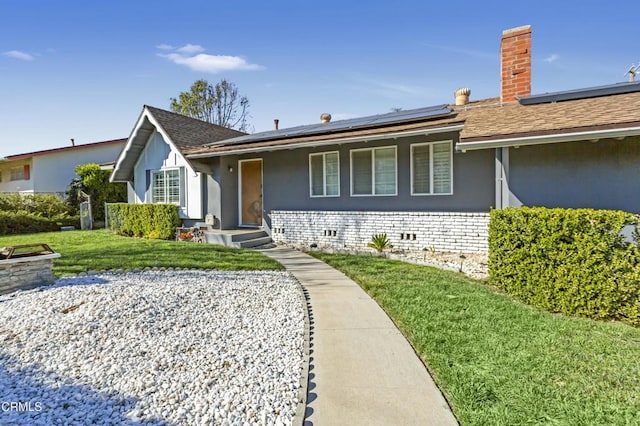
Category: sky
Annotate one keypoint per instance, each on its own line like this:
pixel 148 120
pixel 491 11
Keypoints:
pixel 84 70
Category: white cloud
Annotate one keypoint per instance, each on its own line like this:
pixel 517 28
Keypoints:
pixel 16 54
pixel 190 49
pixel 191 56
pixel 552 58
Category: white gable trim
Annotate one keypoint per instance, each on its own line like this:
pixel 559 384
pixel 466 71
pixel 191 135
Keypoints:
pixel 118 167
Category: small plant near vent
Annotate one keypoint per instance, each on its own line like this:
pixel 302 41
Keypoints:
pixel 379 242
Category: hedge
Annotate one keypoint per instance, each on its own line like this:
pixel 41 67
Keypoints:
pixel 22 222
pixel 155 221
pixel 571 261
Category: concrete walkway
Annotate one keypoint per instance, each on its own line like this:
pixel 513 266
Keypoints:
pixel 362 369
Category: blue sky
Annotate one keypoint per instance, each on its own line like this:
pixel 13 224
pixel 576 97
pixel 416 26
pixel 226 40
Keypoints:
pixel 83 70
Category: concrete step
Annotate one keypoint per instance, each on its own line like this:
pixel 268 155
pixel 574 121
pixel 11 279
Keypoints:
pixel 237 239
pixel 255 242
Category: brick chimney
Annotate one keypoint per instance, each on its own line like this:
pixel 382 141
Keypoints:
pixel 515 60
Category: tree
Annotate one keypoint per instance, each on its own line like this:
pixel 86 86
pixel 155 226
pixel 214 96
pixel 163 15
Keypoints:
pixel 219 104
pixel 94 182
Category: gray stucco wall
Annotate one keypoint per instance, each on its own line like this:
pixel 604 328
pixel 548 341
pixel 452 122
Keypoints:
pixel 601 175
pixel 286 182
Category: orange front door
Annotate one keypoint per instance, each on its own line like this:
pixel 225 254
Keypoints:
pixel 251 192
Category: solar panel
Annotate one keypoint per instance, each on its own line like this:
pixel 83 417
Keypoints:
pixel 348 124
pixel 590 92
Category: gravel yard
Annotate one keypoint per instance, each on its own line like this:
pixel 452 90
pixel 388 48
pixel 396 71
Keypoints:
pixel 153 347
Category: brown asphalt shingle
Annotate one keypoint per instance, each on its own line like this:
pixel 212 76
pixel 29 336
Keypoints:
pixel 488 119
pixel 187 133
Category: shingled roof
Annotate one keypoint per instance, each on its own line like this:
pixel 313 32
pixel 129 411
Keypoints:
pixel 491 120
pixel 186 132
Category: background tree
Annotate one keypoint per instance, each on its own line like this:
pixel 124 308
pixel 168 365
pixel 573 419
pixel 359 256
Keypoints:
pixel 219 104
pixel 94 182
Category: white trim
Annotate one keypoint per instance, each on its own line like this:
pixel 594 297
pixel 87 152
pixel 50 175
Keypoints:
pixel 431 193
pixel 545 139
pixel 164 170
pixel 337 141
pixel 240 224
pixel 158 129
pixel 373 171
pixel 324 174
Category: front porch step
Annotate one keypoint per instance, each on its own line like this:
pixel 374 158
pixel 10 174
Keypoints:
pixel 238 238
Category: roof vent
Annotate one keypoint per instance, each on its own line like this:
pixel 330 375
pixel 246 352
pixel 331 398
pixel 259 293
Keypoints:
pixel 276 123
pixel 325 118
pixel 462 95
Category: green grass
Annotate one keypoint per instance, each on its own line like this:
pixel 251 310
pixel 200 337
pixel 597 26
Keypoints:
pixel 500 362
pixel 100 250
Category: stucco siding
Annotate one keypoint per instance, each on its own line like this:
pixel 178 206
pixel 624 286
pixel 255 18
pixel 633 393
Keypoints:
pixel 286 182
pixel 600 175
pixel 53 172
pixel 22 185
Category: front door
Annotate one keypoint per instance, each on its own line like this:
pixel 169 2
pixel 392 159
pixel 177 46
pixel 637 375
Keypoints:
pixel 250 192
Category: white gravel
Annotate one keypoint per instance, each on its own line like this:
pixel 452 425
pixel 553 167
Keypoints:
pixel 153 347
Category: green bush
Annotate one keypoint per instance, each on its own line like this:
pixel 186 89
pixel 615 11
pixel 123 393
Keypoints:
pixel 22 222
pixel 156 221
pixel 571 261
pixel 45 205
pixel 94 182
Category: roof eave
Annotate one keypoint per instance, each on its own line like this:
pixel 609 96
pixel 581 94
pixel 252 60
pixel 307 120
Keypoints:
pixel 547 139
pixel 335 141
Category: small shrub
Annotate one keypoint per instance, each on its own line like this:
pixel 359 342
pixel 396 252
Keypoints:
pixel 571 261
pixel 22 222
pixel 379 242
pixel 154 221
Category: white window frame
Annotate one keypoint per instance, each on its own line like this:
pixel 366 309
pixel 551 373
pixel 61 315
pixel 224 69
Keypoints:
pixel 20 172
pixel 430 193
pixel 373 170
pixel 324 175
pixel 164 171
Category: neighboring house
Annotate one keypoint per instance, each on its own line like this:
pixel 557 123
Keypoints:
pixel 51 170
pixel 426 177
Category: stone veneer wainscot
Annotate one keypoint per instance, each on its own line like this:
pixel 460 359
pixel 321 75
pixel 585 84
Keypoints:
pixel 439 231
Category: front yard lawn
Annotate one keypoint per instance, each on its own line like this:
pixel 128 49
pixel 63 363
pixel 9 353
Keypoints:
pixel 498 361
pixel 100 250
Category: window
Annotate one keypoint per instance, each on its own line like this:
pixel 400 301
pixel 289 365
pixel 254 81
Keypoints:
pixel 19 173
pixel 374 171
pixel 324 174
pixel 165 186
pixel 432 168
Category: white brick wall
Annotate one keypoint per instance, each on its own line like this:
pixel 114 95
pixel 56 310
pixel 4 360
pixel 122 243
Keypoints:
pixel 440 231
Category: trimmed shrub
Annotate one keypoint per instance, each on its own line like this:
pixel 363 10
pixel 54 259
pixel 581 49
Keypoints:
pixel 155 221
pixel 22 222
pixel 46 205
pixel 571 261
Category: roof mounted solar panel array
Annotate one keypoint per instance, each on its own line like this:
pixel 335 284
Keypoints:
pixel 590 92
pixel 341 125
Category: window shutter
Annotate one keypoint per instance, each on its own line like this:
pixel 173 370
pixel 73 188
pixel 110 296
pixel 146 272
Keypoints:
pixel 147 186
pixel 361 172
pixel 26 172
pixel 183 184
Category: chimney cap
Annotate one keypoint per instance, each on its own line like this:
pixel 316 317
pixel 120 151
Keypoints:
pixel 325 117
